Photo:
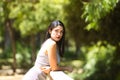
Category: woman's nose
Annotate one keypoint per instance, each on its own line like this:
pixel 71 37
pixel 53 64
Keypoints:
pixel 59 33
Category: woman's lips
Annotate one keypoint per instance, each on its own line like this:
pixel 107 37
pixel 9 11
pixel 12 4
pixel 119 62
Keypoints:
pixel 58 38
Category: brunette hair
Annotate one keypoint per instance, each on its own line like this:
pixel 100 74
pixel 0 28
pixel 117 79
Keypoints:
pixel 60 43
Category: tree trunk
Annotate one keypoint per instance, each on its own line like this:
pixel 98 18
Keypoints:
pixel 77 51
pixel 32 42
pixel 8 24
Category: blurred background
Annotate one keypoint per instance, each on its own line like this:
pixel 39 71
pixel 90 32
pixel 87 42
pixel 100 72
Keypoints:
pixel 92 44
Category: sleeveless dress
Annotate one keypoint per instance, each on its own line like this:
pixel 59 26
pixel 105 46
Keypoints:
pixel 35 73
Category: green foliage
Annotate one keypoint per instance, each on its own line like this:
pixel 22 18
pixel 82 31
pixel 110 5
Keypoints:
pixel 30 18
pixel 24 16
pixel 118 76
pixel 74 23
pixel 23 56
pixel 1 12
pixel 98 62
pixel 77 67
pixel 1 22
pixel 1 34
pixel 6 53
pixel 95 10
pixel 6 57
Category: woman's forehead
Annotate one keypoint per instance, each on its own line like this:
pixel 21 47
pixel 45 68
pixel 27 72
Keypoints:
pixel 58 27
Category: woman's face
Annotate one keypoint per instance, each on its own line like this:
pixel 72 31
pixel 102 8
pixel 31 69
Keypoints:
pixel 56 33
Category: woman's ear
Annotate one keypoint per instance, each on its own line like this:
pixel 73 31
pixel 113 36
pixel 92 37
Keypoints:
pixel 49 31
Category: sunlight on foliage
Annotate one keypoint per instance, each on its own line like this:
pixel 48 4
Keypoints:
pixel 77 63
pixel 95 10
pixel 1 50
pixel 97 56
pixel 77 68
pixel 30 18
pixel 23 56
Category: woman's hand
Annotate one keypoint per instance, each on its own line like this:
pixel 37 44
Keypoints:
pixel 46 69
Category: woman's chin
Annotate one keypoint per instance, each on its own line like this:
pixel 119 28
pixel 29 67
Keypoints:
pixel 57 40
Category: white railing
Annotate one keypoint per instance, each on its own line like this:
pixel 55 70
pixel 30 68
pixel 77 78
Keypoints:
pixel 59 75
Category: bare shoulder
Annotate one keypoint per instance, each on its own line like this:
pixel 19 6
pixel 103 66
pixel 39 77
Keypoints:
pixel 50 46
pixel 51 42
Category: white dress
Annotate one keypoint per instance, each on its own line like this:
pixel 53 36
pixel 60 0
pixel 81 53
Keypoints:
pixel 35 73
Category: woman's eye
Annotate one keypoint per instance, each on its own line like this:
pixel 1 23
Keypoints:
pixel 61 31
pixel 56 30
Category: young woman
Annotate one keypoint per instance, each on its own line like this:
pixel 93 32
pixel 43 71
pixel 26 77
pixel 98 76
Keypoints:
pixel 49 55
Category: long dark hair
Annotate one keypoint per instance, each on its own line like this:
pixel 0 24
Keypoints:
pixel 60 43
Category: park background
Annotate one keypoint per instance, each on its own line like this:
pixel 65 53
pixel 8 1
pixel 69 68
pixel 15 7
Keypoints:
pixel 92 44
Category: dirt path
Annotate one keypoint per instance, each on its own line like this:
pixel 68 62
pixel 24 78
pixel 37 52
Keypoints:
pixel 7 74
pixel 15 77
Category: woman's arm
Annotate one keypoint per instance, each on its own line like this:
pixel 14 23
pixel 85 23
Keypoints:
pixel 51 51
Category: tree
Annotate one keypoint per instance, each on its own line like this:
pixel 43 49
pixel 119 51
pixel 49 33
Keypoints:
pixel 111 30
pixel 104 17
pixel 27 19
pixel 94 10
pixel 76 25
pixel 7 22
pixel 36 15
